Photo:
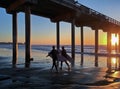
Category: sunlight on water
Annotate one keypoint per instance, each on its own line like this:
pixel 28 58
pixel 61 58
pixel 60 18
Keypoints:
pixel 39 52
pixel 5 52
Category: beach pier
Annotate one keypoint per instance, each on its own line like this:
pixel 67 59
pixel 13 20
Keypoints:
pixel 68 11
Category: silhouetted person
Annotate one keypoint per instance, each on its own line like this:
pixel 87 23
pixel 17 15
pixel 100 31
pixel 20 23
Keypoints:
pixel 63 53
pixel 53 53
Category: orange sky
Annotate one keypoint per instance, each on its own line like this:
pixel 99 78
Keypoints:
pixel 65 37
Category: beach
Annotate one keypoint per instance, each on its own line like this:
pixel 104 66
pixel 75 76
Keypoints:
pixel 39 76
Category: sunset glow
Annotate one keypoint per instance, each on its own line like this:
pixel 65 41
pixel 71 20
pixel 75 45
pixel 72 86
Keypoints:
pixel 114 60
pixel 114 39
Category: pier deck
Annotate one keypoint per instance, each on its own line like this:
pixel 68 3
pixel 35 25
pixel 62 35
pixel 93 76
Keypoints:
pixel 64 10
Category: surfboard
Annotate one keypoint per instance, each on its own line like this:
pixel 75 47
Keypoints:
pixel 69 58
pixel 62 58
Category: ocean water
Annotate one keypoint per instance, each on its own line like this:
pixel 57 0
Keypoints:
pixel 39 52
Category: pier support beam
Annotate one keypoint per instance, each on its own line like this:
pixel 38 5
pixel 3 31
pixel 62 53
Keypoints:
pixel 109 42
pixel 82 46
pixel 119 63
pixel 109 51
pixel 73 41
pixel 119 50
pixel 15 44
pixel 119 42
pixel 27 36
pixel 58 35
pixel 96 47
pixel 116 46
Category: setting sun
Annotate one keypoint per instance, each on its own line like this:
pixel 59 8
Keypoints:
pixel 114 60
pixel 114 39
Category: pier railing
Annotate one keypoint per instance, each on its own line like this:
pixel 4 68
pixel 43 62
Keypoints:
pixel 96 13
pixel 88 11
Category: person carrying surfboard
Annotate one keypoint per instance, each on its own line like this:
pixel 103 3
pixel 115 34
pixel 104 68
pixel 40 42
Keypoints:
pixel 63 53
pixel 53 54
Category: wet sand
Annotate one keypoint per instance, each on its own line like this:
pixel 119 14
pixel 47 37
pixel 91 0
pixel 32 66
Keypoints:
pixel 76 78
